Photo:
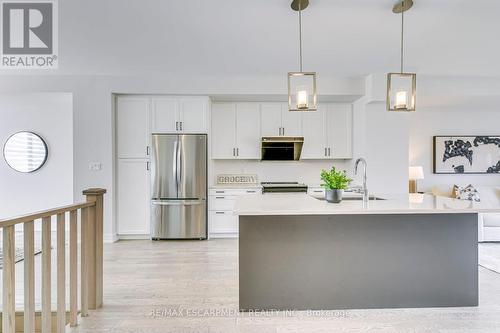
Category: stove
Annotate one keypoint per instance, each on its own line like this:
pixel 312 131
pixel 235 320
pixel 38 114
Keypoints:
pixel 283 187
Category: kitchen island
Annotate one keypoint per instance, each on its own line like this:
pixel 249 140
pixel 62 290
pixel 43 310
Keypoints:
pixel 297 252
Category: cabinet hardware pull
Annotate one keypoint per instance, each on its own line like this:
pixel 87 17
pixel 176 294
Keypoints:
pixel 279 129
pixel 329 154
pixel 326 152
pixel 147 150
pixel 176 125
pixel 248 191
pixel 220 197
pixel 237 151
pixel 234 151
pixel 147 166
pixel 318 191
pixel 283 130
pixel 219 212
pixel 181 125
pixel 220 191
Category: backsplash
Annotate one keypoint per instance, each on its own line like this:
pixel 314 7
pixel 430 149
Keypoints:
pixel 302 171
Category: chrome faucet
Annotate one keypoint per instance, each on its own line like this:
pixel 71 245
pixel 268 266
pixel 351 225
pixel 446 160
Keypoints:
pixel 365 189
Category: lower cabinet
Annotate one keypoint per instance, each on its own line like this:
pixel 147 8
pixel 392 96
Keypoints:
pixel 316 191
pixel 222 222
pixel 133 197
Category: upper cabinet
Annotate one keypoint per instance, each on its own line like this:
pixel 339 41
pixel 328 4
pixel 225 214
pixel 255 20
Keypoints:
pixel 223 130
pixel 132 126
pixel 328 132
pixel 248 131
pixel 179 114
pixel 339 131
pixel 314 131
pixel 164 115
pixel 193 114
pixel 235 131
pixel 276 120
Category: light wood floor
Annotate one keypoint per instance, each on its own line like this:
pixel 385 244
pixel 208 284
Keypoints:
pixel 147 282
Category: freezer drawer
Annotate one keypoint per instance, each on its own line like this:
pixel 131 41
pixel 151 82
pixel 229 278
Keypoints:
pixel 179 219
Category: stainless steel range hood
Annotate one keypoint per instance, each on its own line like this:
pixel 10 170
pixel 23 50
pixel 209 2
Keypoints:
pixel 281 148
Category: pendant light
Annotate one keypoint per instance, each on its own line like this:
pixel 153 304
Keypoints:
pixel 401 87
pixel 301 85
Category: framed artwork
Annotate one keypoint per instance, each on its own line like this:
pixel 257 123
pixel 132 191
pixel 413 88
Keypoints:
pixel 466 154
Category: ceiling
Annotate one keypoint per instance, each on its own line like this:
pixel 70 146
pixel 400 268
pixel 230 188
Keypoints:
pixel 344 38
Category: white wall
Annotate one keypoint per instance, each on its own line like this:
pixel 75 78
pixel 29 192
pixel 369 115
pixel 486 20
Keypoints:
pixel 50 116
pixel 387 149
pixel 443 121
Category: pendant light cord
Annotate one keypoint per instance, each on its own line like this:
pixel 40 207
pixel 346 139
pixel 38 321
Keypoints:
pixel 402 37
pixel 300 35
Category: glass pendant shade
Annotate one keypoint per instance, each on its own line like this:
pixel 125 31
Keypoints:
pixel 302 91
pixel 401 91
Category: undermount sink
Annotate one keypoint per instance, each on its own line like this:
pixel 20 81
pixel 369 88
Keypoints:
pixel 354 198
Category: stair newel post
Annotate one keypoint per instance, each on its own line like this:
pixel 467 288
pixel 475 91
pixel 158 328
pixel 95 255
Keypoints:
pixel 95 247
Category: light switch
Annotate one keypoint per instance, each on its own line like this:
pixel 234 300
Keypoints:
pixel 95 166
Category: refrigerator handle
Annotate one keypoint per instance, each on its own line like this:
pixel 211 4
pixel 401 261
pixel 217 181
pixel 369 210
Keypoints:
pixel 180 164
pixel 177 164
pixel 174 166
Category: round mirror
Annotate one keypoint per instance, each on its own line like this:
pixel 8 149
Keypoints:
pixel 25 152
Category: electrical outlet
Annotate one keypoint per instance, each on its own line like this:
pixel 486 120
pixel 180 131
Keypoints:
pixel 95 166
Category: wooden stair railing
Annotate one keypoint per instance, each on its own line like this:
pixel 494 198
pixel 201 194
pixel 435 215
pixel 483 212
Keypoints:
pixel 91 272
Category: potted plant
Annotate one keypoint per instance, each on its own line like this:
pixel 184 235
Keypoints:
pixel 334 182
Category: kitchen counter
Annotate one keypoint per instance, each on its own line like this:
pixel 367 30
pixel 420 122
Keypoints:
pixel 298 252
pixel 304 204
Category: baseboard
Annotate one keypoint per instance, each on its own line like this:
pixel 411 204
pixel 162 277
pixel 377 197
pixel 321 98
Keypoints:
pixel 219 236
pixel 131 237
pixel 110 238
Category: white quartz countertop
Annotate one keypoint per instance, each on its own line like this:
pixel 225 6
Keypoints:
pixel 304 204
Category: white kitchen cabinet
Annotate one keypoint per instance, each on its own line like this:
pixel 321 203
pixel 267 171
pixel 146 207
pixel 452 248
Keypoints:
pixel 316 191
pixel 291 121
pixel 223 130
pixel 270 114
pixel 248 131
pixel 222 221
pixel 193 114
pixel 165 115
pixel 315 140
pixel 276 120
pixel 132 126
pixel 224 224
pixel 133 197
pixel 328 132
pixel 339 131
pixel 235 131
pixel 179 114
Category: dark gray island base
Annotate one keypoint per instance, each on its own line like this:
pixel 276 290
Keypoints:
pixel 328 262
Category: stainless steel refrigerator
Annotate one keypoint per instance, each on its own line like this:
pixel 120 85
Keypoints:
pixel 179 186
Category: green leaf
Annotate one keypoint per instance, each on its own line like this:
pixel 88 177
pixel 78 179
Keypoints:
pixel 334 179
